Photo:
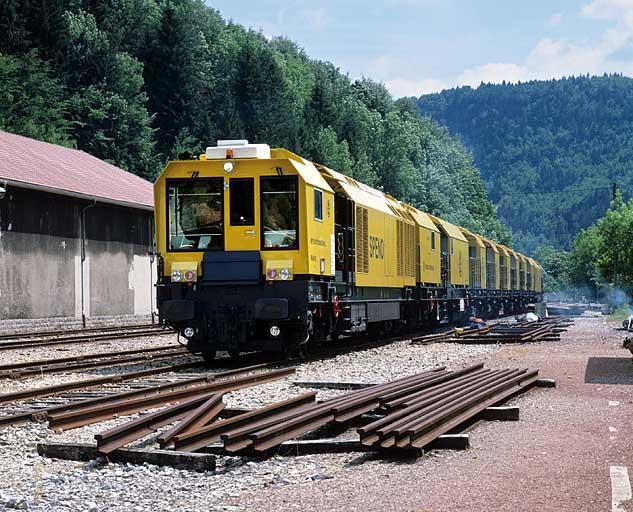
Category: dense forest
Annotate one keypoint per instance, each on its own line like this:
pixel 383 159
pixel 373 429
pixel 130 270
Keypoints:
pixel 599 264
pixel 548 151
pixel 137 82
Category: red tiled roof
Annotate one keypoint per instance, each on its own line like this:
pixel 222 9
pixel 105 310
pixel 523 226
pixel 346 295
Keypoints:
pixel 36 164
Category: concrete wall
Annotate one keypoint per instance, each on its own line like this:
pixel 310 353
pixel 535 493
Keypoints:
pixel 42 274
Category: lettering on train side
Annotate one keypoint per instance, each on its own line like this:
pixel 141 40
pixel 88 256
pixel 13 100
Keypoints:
pixel 376 248
pixel 317 241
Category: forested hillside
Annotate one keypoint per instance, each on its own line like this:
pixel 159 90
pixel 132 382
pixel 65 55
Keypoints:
pixel 548 152
pixel 138 82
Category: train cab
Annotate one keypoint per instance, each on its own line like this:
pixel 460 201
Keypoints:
pixel 245 237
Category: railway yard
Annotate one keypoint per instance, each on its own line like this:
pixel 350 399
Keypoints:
pixel 119 416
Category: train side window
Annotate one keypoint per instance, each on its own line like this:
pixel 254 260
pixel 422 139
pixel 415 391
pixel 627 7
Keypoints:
pixel 318 204
pixel 432 240
pixel 279 212
pixel 242 201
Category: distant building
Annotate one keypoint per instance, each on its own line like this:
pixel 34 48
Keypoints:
pixel 75 234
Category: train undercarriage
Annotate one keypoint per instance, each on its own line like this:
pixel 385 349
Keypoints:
pixel 290 316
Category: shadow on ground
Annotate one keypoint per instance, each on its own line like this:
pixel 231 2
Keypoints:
pixel 609 370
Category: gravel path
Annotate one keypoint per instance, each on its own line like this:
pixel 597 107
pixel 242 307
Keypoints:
pixel 556 457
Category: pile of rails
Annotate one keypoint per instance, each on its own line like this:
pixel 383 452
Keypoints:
pixel 548 329
pixel 412 412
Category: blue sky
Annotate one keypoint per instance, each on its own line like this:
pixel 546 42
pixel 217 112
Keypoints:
pixel 419 46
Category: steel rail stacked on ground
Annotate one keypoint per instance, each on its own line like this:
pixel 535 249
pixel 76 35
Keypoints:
pixel 521 332
pixel 416 410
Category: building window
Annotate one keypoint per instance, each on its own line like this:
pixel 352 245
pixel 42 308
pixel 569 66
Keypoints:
pixel 195 215
pixel 242 202
pixel 279 211
pixel 432 240
pixel 318 204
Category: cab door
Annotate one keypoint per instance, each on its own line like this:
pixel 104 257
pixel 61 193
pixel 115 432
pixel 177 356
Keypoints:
pixel 241 214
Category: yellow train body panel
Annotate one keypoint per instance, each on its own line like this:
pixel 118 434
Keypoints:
pixel 493 277
pixel 514 270
pixel 457 252
pixel 385 241
pixel 522 265
pixel 504 267
pixel 477 259
pixel 386 247
pixel 316 251
pixel 428 241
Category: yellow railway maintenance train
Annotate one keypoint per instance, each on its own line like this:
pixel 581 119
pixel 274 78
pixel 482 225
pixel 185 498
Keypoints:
pixel 260 249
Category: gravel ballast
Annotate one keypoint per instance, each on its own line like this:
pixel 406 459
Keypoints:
pixel 561 448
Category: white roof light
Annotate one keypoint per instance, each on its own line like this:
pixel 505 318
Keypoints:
pixel 237 142
pixel 230 149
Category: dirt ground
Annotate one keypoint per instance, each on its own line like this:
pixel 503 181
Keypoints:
pixel 556 458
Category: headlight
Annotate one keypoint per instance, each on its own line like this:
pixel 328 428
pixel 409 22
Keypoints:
pixel 274 331
pixel 188 332
pixel 189 275
pixel 284 273
pixel 176 275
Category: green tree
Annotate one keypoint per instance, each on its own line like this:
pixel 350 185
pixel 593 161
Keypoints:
pixel 137 82
pixel 615 259
pixel 32 101
pixel 548 151
pixel 556 265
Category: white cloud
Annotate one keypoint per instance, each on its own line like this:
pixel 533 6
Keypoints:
pixel 404 87
pixel 553 58
pixel 606 9
pixel 555 20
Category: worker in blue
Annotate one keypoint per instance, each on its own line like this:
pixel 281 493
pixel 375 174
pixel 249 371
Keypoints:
pixel 475 323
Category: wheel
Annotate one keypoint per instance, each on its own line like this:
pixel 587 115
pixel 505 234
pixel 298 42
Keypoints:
pixel 209 355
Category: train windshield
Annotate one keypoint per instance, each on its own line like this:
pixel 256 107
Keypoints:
pixel 279 212
pixel 196 215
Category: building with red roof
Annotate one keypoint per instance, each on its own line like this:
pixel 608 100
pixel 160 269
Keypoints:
pixel 76 235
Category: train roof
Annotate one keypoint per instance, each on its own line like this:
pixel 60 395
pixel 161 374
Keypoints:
pixel 306 169
pixel 474 237
pixel 421 218
pixel 450 229
pixel 491 244
pixel 359 192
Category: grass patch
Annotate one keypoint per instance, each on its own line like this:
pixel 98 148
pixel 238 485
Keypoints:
pixel 620 314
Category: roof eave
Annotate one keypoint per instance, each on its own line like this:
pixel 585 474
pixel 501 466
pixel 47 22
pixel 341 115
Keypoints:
pixel 90 197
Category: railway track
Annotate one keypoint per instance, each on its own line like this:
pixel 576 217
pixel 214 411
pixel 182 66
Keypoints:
pixel 37 404
pixel 97 360
pixel 42 339
pixel 196 396
pixel 16 410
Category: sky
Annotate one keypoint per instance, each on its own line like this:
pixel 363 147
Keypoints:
pixel 421 46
